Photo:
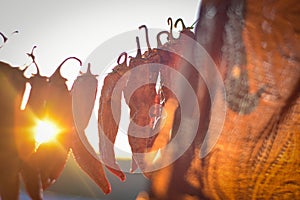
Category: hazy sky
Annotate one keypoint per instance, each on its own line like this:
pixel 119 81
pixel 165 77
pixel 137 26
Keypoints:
pixel 75 28
pixel 66 28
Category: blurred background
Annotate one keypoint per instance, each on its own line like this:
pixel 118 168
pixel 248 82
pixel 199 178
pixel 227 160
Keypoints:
pixel 74 184
pixel 61 29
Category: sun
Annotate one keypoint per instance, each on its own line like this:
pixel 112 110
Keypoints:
pixel 45 131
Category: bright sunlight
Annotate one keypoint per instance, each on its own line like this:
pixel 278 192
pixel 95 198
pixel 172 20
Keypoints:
pixel 45 131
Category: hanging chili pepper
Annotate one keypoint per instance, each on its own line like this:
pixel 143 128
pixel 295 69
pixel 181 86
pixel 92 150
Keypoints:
pixel 108 122
pixel 50 98
pixel 24 122
pixel 57 107
pixel 12 86
pixel 141 100
pixel 84 87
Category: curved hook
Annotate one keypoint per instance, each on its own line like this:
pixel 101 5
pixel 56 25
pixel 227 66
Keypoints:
pixel 72 57
pixel 4 37
pixel 182 23
pixel 170 22
pixel 147 36
pixel 121 66
pixel 63 62
pixel 125 59
pixel 158 37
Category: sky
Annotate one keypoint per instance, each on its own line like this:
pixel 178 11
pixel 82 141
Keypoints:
pixel 66 28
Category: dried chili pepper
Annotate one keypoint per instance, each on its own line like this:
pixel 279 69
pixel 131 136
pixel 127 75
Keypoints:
pixel 51 98
pixel 171 57
pixel 12 86
pixel 25 119
pixel 141 100
pixel 108 122
pixel 57 107
pixel 84 87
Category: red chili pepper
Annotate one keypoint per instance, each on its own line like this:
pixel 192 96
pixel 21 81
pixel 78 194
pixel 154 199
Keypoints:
pixel 11 90
pixel 108 122
pixel 141 101
pixel 84 87
pixel 51 98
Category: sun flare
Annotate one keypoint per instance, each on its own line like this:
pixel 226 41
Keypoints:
pixel 45 131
